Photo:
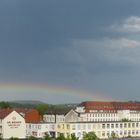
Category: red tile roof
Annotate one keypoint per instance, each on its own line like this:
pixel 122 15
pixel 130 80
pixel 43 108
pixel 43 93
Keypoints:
pixel 98 105
pixel 30 115
pixel 4 113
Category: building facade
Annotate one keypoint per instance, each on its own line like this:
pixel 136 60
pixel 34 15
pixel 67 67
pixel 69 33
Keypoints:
pixel 109 111
pixel 103 118
pixel 103 130
pixel 39 130
pixel 12 124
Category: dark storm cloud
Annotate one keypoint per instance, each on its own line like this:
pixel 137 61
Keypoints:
pixel 70 43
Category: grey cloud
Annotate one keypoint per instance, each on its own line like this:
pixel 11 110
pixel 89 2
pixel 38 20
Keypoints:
pixel 128 25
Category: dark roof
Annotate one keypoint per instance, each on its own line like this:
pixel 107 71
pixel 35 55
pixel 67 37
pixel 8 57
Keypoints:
pixel 57 111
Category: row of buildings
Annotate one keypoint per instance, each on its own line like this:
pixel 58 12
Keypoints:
pixel 104 118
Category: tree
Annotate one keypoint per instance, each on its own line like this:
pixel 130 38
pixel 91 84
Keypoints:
pixel 61 137
pixel 125 120
pixel 4 105
pixel 47 137
pixel 90 136
pixel 41 108
pixel 13 138
pixel 73 137
pixel 69 137
pixel 113 135
pixel 32 138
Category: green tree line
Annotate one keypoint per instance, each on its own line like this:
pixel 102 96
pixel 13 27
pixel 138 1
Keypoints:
pixel 86 136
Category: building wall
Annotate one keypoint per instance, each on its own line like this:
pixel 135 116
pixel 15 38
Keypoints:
pixel 80 121
pixel 121 129
pixel 39 129
pixel 13 126
pixel 102 115
pixel 53 118
pixel 102 130
pixel 63 128
pixel 94 116
pixel 102 123
pixel 49 118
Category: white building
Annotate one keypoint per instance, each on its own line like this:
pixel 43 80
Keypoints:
pixel 102 129
pixel 108 111
pixel 12 124
pixel 98 112
pixel 40 129
pixel 104 118
pixel 101 116
pixel 52 118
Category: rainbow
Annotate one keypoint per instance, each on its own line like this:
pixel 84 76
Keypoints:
pixel 43 89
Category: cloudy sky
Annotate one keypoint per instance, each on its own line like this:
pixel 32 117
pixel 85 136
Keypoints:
pixel 91 46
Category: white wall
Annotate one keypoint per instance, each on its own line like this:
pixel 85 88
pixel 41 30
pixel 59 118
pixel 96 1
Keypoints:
pixel 13 126
pixel 53 118
pixel 39 129
pixel 104 130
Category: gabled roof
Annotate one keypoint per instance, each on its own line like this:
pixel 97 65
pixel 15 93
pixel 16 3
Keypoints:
pixel 4 113
pixel 73 111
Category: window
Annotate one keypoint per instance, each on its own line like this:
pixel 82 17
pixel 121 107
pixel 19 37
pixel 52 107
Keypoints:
pixel 63 126
pixel 129 132
pixel 137 132
pixel 103 125
pixel 125 132
pixel 108 125
pixel 58 126
pixel 133 124
pixel 68 126
pixel 79 134
pixel 133 132
pixel 120 132
pixel 73 127
pixel 39 126
pixel 103 133
pixel 108 133
pixel 112 125
pixel 89 126
pixel 84 126
pixel 125 125
pixel 79 127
